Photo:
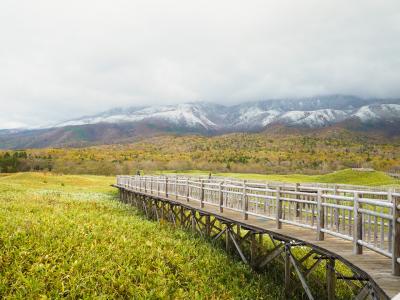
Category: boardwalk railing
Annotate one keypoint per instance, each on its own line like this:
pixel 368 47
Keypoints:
pixel 367 217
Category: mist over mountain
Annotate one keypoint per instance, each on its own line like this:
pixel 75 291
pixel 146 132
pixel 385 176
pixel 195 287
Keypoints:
pixel 120 125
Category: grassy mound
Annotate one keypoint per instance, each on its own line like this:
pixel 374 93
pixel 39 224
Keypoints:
pixel 66 236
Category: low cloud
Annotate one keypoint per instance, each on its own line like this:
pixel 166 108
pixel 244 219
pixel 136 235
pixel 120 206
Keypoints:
pixel 62 59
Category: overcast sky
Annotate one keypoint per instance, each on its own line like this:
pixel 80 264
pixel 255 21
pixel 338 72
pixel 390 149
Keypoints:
pixel 63 59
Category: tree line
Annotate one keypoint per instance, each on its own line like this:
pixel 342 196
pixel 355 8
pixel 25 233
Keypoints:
pixel 255 153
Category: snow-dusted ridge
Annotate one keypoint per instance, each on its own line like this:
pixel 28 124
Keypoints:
pixel 309 112
pixel 373 113
pixel 317 118
pixel 189 115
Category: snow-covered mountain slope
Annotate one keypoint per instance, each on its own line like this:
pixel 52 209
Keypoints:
pixel 378 112
pixel 250 116
pixel 185 115
pixel 253 115
pixel 313 119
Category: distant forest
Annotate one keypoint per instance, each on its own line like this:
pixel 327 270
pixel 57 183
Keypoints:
pixel 255 153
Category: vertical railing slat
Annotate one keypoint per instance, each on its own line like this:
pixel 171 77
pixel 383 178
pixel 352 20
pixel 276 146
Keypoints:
pixel 202 193
pixel 245 201
pixel 357 226
pixel 278 208
pixel 395 234
pixel 320 216
pixel 166 186
pixel 221 197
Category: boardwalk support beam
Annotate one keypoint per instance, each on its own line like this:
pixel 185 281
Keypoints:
pixel 330 278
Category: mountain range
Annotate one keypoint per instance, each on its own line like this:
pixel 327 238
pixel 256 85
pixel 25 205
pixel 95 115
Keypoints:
pixel 121 125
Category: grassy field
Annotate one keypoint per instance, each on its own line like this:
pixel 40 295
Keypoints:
pixel 66 236
pixel 347 176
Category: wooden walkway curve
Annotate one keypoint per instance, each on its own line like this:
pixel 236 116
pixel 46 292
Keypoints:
pixel 359 227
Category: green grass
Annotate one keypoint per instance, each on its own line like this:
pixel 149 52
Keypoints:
pixel 66 236
pixel 347 176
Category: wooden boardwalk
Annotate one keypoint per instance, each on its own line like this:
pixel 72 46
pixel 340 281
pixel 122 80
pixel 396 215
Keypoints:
pixel 301 220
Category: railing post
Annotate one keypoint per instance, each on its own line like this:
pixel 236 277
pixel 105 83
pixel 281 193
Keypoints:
pixel 166 187
pixel 176 187
pixel 320 216
pixel 202 194
pixel 357 226
pixel 145 185
pixel 396 234
pixel 245 201
pixel 158 186
pixel 187 190
pixel 296 189
pixel 278 208
pixel 337 222
pixel 221 198
pixel 265 200
pixel 151 185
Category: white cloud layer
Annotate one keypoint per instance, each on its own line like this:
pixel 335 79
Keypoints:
pixel 62 59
